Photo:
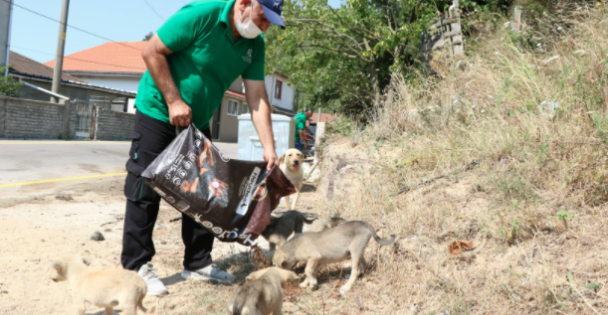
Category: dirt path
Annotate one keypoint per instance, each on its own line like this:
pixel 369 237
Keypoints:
pixel 36 226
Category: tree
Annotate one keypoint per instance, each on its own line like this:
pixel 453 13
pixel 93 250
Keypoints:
pixel 9 86
pixel 343 58
pixel 148 36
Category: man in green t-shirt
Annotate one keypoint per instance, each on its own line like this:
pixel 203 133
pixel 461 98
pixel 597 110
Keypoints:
pixel 192 60
pixel 301 126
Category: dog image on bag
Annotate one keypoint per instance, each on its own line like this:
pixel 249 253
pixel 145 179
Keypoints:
pixel 320 225
pixel 280 228
pixel 291 165
pixel 347 240
pixel 262 294
pixel 107 288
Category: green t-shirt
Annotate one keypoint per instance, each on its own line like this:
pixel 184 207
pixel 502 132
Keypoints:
pixel 204 62
pixel 300 124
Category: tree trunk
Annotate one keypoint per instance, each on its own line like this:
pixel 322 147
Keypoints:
pixel 373 72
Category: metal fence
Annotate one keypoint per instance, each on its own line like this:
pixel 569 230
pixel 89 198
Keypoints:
pixel 85 110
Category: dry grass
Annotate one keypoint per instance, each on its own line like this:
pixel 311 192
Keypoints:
pixel 534 206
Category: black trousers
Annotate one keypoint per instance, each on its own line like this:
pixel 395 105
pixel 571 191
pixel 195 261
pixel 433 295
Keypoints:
pixel 150 138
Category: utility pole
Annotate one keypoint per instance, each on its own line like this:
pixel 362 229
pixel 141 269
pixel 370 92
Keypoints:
pixel 60 49
pixel 6 13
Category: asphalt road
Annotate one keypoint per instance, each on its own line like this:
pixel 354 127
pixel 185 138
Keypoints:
pixel 55 163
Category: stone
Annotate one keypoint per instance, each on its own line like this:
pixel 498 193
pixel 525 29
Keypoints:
pixel 97 236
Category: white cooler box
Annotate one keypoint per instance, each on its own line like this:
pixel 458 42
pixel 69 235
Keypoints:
pixel 249 145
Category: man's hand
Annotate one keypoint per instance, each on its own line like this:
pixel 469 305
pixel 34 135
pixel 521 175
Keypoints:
pixel 305 144
pixel 180 114
pixel 255 93
pixel 270 156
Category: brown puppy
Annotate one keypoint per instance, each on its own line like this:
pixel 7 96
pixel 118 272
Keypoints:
pixel 261 295
pixel 320 225
pixel 104 288
pixel 291 165
pixel 342 242
pixel 280 228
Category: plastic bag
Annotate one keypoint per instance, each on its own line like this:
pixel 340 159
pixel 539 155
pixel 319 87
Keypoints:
pixel 232 199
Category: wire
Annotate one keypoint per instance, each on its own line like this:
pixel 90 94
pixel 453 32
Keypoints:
pixel 70 26
pixel 151 7
pixel 67 57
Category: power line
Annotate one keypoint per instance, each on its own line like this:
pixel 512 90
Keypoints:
pixel 78 59
pixel 151 7
pixel 70 26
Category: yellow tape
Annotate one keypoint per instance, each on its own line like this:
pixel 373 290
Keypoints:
pixel 64 142
pixel 59 179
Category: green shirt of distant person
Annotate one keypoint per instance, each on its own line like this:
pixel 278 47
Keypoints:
pixel 301 119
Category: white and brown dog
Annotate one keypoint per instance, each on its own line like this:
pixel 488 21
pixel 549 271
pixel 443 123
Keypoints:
pixel 104 288
pixel 291 165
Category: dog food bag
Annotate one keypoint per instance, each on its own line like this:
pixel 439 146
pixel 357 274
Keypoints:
pixel 230 198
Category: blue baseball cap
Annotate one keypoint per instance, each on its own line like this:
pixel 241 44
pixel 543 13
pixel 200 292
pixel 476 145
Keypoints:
pixel 272 11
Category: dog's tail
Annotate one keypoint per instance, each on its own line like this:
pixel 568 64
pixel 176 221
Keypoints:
pixel 378 239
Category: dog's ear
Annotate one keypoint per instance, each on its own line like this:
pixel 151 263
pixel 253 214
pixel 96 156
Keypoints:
pixel 57 265
pixel 282 159
pixel 86 261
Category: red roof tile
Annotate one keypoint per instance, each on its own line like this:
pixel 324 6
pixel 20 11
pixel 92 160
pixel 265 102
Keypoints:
pixel 111 57
pixel 235 94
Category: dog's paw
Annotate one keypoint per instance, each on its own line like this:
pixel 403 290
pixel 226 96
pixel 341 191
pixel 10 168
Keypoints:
pixel 344 290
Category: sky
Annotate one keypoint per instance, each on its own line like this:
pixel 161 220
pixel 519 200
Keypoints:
pixel 119 20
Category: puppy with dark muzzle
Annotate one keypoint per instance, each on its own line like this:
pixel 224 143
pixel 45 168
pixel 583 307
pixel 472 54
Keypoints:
pixel 345 241
pixel 280 228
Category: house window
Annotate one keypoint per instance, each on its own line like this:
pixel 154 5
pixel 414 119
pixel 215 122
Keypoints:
pixel 278 88
pixel 233 108
pixel 244 109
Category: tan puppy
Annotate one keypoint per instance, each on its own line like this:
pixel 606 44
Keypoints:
pixel 291 165
pixel 279 229
pixel 287 275
pixel 321 225
pixel 261 295
pixel 104 288
pixel 344 241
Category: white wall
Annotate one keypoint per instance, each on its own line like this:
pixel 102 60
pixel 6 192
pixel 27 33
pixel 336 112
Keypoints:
pixel 237 86
pixel 130 84
pixel 286 100
pixel 120 83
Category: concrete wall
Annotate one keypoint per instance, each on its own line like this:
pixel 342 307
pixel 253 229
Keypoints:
pixel 229 125
pixel 114 125
pixel 30 119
